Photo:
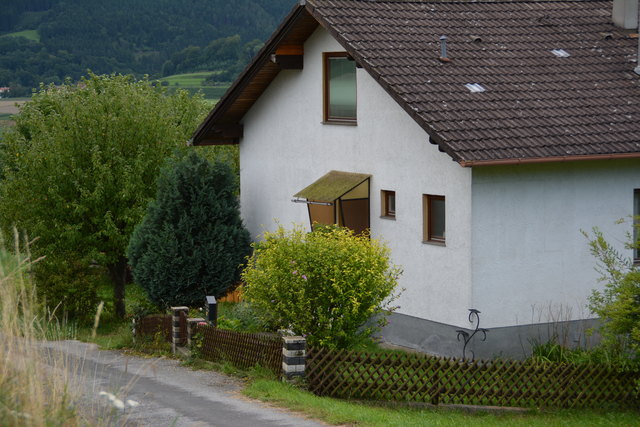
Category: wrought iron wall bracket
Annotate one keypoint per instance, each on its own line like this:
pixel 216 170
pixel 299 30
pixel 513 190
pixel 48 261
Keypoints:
pixel 466 336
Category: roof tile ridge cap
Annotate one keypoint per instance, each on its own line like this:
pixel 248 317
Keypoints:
pixel 489 109
pixel 476 1
pixel 587 91
pixel 467 137
pixel 528 116
pixel 538 126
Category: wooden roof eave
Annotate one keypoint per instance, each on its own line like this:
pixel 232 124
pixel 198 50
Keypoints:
pixel 207 134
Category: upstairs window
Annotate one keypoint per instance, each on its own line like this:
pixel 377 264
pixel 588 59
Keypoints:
pixel 388 199
pixel 339 88
pixel 433 213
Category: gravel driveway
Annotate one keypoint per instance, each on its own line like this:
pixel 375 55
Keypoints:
pixel 168 394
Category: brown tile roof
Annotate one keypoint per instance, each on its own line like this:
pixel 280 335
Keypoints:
pixel 535 107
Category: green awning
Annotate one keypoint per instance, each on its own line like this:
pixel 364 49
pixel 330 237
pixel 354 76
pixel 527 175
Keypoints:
pixel 332 186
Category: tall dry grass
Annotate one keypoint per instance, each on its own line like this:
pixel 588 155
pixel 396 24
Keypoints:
pixel 34 385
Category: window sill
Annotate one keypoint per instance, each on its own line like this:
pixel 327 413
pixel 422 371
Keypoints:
pixel 392 218
pixel 433 242
pixel 340 122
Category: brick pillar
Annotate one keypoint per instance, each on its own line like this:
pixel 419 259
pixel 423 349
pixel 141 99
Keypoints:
pixel 294 353
pixel 191 323
pixel 178 340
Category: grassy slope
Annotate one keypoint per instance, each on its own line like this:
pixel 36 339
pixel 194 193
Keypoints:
pixel 194 82
pixel 341 412
pixel 8 108
pixel 34 387
pixel 27 34
pixel 190 79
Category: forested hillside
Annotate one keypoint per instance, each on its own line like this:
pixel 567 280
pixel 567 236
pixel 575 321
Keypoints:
pixel 48 40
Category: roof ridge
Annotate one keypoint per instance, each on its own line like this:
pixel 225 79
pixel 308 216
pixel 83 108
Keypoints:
pixel 481 1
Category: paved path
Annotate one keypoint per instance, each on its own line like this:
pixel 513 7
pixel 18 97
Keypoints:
pixel 169 394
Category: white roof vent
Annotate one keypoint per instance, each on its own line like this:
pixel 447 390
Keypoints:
pixel 475 87
pixel 561 53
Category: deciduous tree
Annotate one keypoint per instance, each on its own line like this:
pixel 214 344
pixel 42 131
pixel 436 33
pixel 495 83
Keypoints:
pixel 80 167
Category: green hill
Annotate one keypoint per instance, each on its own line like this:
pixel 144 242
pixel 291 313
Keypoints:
pixel 49 40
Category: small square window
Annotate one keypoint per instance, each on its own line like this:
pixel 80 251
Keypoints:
pixel 339 88
pixel 388 199
pixel 433 217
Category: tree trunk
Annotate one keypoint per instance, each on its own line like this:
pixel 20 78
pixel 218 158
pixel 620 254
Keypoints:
pixel 118 275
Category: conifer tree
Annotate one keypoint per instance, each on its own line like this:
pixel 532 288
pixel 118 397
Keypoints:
pixel 192 242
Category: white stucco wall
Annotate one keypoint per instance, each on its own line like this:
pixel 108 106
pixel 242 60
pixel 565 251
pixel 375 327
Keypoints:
pixel 530 261
pixel 286 147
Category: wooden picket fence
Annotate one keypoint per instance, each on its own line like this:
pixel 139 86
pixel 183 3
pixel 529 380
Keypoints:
pixel 420 378
pixel 404 377
pixel 244 350
pixel 152 325
pixel 233 296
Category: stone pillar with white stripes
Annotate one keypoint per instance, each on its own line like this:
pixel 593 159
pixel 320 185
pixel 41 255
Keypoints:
pixel 177 339
pixel 294 353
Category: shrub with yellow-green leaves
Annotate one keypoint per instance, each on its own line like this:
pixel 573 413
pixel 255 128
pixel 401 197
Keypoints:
pixel 617 303
pixel 326 285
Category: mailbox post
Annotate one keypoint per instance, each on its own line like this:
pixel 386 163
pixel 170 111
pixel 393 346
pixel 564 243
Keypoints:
pixel 212 311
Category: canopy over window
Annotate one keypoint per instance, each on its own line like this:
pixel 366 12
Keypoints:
pixel 340 198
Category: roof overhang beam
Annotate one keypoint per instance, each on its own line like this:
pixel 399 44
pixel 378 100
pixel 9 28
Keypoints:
pixel 288 57
pixel 222 134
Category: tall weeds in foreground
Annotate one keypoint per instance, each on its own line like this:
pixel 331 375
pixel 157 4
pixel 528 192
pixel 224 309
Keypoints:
pixel 33 391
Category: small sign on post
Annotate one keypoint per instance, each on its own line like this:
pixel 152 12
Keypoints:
pixel 212 311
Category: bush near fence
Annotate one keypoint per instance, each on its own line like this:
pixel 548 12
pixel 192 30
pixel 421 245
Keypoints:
pixel 150 326
pixel 420 378
pixel 244 350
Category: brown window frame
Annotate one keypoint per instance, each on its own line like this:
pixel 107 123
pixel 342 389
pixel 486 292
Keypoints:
pixel 386 211
pixel 427 220
pixel 326 98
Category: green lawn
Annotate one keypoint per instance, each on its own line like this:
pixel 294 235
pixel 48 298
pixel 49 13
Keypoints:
pixel 342 412
pixel 27 34
pixel 194 82
pixel 189 80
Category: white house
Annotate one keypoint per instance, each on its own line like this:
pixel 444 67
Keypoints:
pixel 478 156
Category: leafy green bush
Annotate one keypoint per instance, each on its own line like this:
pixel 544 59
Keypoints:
pixel 68 287
pixel 618 303
pixel 552 351
pixel 192 242
pixel 238 317
pixel 325 284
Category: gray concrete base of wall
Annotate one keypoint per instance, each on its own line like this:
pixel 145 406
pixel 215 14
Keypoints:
pixel 514 342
